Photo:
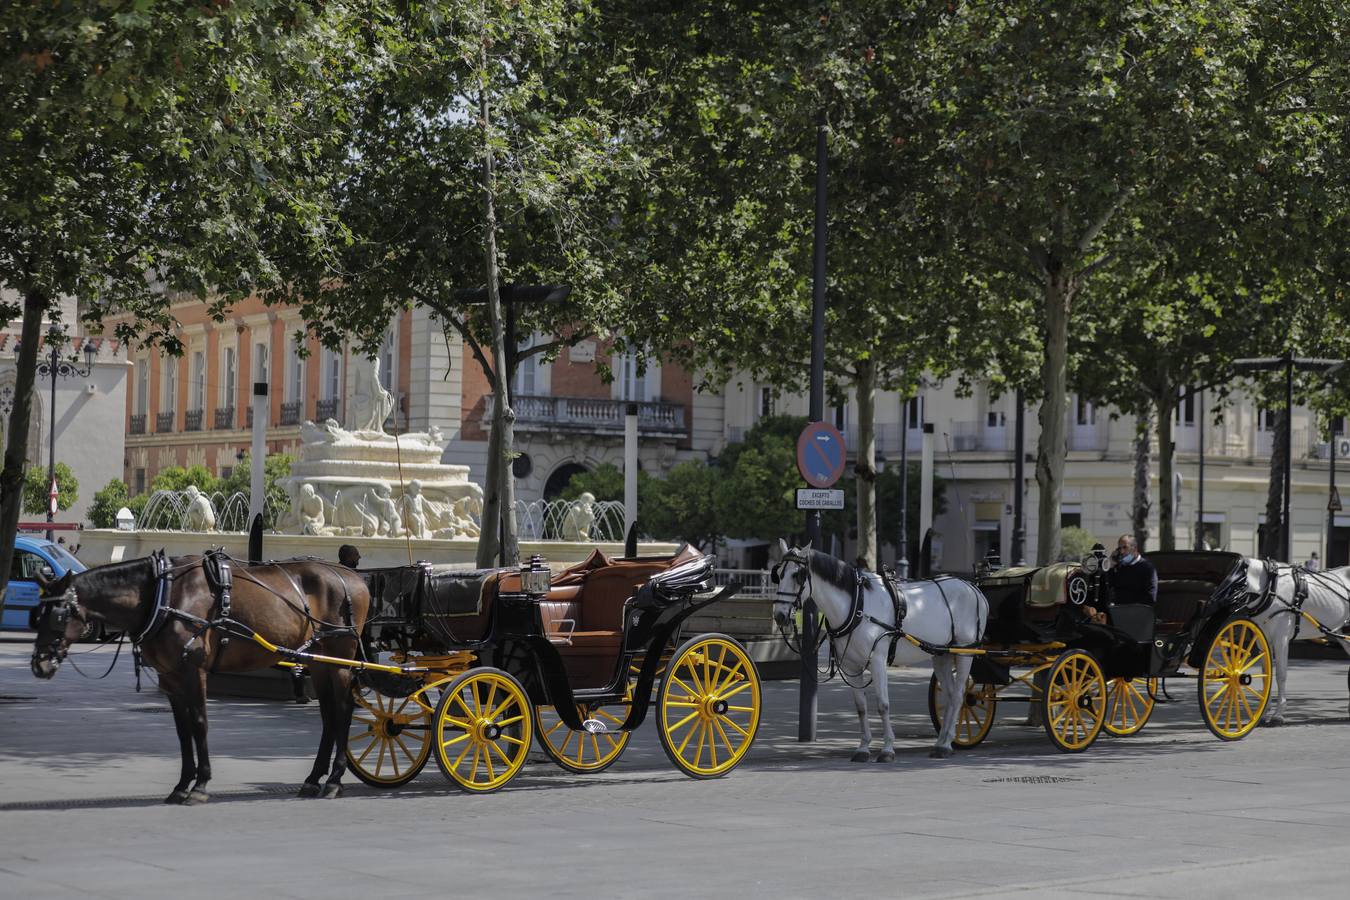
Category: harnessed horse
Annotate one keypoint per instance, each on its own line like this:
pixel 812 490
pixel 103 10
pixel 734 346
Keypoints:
pixel 193 615
pixel 1294 604
pixel 873 621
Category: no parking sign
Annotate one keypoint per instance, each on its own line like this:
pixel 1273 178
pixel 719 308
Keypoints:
pixel 820 454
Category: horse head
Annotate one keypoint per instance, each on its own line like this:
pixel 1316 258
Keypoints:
pixel 790 576
pixel 60 621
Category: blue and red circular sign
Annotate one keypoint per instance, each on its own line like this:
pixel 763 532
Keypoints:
pixel 820 454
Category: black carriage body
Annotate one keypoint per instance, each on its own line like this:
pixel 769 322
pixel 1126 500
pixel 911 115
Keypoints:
pixel 1197 593
pixel 425 609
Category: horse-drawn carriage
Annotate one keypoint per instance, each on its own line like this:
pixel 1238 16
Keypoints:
pixel 415 661
pixel 1089 673
pixel 491 657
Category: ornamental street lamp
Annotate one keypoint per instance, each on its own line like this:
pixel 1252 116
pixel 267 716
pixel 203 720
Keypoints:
pixel 1288 363
pixel 55 366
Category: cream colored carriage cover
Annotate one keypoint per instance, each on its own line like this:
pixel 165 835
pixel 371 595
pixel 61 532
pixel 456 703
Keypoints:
pixel 1047 585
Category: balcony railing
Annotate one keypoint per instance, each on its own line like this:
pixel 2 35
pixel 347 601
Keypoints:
pixel 192 420
pixel 163 422
pixel 543 413
pixel 1086 437
pixel 979 436
pixel 224 418
pixel 326 409
pixel 290 412
pixel 136 425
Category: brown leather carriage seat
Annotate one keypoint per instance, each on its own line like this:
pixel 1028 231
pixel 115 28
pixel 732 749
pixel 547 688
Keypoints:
pixel 1178 599
pixel 592 594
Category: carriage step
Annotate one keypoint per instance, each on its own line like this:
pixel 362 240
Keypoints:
pixel 595 726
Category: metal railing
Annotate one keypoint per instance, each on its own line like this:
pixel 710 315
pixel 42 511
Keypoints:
pixel 290 412
pixel 545 413
pixel 163 422
pixel 136 424
pixel 326 409
pixel 754 582
pixel 978 436
pixel 224 418
pixel 1086 437
pixel 192 420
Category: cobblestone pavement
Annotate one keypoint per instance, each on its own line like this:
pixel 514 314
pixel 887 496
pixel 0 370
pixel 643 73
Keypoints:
pixel 1169 812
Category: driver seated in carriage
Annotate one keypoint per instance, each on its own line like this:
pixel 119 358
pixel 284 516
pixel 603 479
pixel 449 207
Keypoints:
pixel 1132 578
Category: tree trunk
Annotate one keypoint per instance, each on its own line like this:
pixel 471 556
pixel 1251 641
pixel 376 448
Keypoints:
pixel 16 435
pixel 1271 547
pixel 490 522
pixel 503 417
pixel 866 466
pixel 1166 404
pixel 1139 508
pixel 1050 447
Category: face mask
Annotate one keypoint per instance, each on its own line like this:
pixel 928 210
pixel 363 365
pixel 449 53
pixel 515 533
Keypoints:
pixel 1127 558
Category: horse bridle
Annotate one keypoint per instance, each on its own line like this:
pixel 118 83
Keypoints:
pixel 58 613
pixel 793 638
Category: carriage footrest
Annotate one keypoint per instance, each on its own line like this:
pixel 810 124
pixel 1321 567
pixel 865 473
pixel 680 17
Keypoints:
pixel 594 726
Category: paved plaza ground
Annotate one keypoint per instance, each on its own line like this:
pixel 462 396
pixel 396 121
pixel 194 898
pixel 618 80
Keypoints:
pixel 1171 812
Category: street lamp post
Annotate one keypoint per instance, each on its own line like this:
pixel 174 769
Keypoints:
pixel 1289 363
pixel 55 366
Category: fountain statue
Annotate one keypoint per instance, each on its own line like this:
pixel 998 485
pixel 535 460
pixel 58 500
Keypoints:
pixel 199 515
pixel 361 481
pixel 579 519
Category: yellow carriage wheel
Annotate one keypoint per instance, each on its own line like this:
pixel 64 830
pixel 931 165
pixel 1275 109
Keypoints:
pixel 977 711
pixel 709 705
pixel 1074 701
pixel 390 738
pixel 1235 680
pixel 1129 703
pixel 483 730
pixel 581 751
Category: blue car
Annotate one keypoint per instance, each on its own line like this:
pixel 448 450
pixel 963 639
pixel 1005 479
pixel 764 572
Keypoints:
pixel 33 556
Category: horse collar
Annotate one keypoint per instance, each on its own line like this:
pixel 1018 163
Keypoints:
pixel 855 612
pixel 159 613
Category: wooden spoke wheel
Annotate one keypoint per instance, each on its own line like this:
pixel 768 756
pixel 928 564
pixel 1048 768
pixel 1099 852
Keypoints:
pixel 581 751
pixel 483 727
pixel 390 738
pixel 709 705
pixel 1129 703
pixel 1235 679
pixel 977 711
pixel 1074 701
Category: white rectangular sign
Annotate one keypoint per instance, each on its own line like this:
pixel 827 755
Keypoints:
pixel 820 498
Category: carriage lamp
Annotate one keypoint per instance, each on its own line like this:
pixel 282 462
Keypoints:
pixel 535 576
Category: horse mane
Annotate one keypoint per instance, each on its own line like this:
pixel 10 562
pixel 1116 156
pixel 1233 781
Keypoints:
pixel 116 575
pixel 834 571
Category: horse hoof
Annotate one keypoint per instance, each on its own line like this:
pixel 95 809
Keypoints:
pixel 331 791
pixel 308 789
pixel 886 756
pixel 940 753
pixel 861 756
pixel 1272 722
pixel 196 798
pixel 177 798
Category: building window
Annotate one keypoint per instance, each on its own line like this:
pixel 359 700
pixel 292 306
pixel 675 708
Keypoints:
pixel 389 359
pixel 1071 515
pixel 168 385
pixel 765 405
pixel 914 413
pixel 1186 407
pixel 1265 420
pixel 260 363
pixel 332 382
pixel 1085 414
pixel 226 471
pixel 138 480
pixel 229 381
pixel 1338 425
pixel 526 383
pixel 198 386
pixel 986 544
pixel 995 419
pixel 142 386
pixel 295 374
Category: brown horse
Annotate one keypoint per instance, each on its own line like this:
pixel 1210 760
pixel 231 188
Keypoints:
pixel 172 608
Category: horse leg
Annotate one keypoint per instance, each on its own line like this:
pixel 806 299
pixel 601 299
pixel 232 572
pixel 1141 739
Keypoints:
pixel 182 724
pixel 883 689
pixel 195 685
pixel 311 786
pixel 863 753
pixel 1279 636
pixel 342 703
pixel 944 667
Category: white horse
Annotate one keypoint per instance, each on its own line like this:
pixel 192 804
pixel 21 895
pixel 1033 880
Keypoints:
pixel 861 616
pixel 1328 602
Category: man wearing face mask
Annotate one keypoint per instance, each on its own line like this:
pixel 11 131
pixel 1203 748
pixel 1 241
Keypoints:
pixel 1133 578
